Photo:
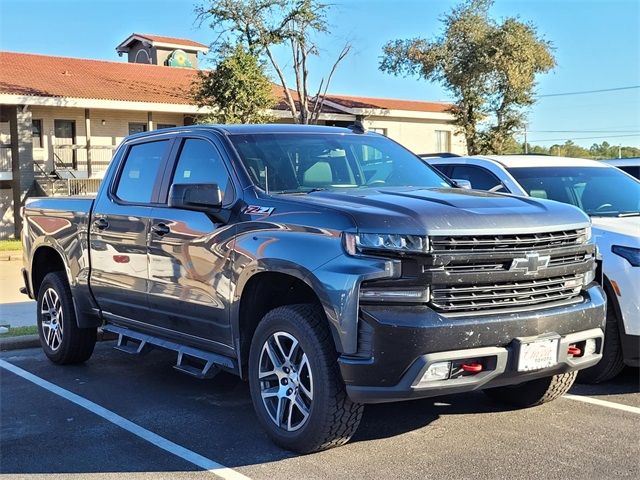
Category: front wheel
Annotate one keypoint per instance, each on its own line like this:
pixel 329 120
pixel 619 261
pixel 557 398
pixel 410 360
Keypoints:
pixel 296 387
pixel 62 340
pixel 534 392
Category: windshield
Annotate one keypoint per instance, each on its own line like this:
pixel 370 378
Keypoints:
pixel 301 162
pixel 596 190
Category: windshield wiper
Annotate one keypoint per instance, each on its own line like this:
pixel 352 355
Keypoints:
pixel 301 192
pixel 628 214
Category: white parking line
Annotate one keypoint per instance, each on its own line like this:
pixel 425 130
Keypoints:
pixel 153 438
pixel 604 403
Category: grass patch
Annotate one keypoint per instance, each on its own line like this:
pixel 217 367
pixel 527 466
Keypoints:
pixel 10 245
pixel 20 331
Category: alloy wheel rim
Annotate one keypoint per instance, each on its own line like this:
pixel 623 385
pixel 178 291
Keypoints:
pixel 52 315
pixel 286 381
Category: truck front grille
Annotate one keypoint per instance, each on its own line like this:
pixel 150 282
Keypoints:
pixel 475 274
pixel 517 242
pixel 470 265
pixel 505 294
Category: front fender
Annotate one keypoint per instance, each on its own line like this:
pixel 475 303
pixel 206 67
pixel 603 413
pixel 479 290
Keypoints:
pixel 317 258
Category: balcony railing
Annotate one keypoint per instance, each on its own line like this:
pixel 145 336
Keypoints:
pixel 83 186
pixel 80 158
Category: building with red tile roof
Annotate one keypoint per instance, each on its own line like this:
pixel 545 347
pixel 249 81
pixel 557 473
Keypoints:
pixel 63 117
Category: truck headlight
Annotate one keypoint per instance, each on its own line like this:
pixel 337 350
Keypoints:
pixel 394 295
pixel 585 235
pixel 356 243
pixel 630 254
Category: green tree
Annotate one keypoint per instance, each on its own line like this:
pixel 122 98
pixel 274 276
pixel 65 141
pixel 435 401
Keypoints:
pixel 261 26
pixel 237 90
pixel 489 68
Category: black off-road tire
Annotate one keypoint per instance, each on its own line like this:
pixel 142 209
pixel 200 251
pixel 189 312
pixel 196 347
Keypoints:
pixel 77 344
pixel 333 417
pixel 534 392
pixel 612 361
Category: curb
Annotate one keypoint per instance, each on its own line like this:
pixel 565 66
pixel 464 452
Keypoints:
pixel 9 256
pixel 33 341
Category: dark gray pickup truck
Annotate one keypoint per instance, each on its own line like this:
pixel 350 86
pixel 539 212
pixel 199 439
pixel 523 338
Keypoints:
pixel 329 267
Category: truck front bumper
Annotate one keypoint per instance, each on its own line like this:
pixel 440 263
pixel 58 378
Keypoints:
pixel 400 343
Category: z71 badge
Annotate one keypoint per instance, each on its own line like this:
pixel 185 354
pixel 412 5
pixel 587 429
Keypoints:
pixel 258 210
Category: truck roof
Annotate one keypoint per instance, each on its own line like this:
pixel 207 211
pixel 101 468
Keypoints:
pixel 248 129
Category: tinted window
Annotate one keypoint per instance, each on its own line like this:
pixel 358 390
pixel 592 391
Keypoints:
pixel 633 171
pixel 200 162
pixel 140 171
pixel 298 163
pixel 480 178
pixel 599 191
pixel 444 169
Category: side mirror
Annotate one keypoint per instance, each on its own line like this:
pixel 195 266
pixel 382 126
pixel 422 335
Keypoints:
pixel 202 197
pixel 466 184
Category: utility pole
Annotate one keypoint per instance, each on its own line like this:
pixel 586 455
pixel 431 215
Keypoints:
pixel 526 146
pixel 620 151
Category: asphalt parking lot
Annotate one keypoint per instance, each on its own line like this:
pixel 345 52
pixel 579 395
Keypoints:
pixel 188 428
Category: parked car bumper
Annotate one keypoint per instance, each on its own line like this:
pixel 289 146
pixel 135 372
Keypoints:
pixel 400 343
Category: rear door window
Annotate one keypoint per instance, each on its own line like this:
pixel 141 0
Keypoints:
pixel 140 171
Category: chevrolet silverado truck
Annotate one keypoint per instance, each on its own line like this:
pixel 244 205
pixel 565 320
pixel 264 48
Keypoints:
pixel 329 267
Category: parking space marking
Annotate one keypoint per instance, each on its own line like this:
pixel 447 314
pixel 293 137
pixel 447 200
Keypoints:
pixel 153 438
pixel 603 403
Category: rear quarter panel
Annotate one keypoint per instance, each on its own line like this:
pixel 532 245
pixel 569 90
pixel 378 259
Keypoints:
pixel 60 223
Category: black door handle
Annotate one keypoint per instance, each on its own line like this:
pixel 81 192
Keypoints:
pixel 101 223
pixel 160 229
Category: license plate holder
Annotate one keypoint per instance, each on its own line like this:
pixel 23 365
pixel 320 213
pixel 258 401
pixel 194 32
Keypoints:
pixel 537 353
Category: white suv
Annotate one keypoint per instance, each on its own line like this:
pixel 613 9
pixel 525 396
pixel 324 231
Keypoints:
pixel 612 200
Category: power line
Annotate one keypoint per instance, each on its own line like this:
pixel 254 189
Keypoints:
pixel 584 92
pixel 583 131
pixel 582 138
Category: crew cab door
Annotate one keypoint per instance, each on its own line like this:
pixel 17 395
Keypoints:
pixel 189 251
pixel 119 230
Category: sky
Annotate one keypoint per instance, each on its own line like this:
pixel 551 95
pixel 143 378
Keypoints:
pixel 596 44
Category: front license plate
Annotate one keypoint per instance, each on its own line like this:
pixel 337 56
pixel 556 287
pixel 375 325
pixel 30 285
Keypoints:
pixel 538 354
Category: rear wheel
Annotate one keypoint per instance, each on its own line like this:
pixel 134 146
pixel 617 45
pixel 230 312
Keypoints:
pixel 533 392
pixel 611 363
pixel 295 382
pixel 61 339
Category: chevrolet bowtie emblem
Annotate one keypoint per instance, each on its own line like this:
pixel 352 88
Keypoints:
pixel 530 264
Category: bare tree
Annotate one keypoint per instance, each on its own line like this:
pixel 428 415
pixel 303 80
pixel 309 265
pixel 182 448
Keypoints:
pixel 261 26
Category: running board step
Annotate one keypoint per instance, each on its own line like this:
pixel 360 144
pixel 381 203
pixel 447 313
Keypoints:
pixel 132 346
pixel 185 365
pixel 192 361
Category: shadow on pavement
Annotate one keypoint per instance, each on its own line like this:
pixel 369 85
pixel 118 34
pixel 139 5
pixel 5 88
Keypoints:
pixel 627 382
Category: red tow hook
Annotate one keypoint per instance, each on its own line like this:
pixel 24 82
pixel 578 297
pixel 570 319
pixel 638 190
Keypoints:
pixel 471 367
pixel 574 351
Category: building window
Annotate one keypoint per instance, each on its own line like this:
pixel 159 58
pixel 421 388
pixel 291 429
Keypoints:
pixel 36 132
pixel 381 131
pixel 137 128
pixel 443 141
pixel 165 125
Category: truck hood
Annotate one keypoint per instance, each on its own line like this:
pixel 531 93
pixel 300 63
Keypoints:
pixel 447 211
